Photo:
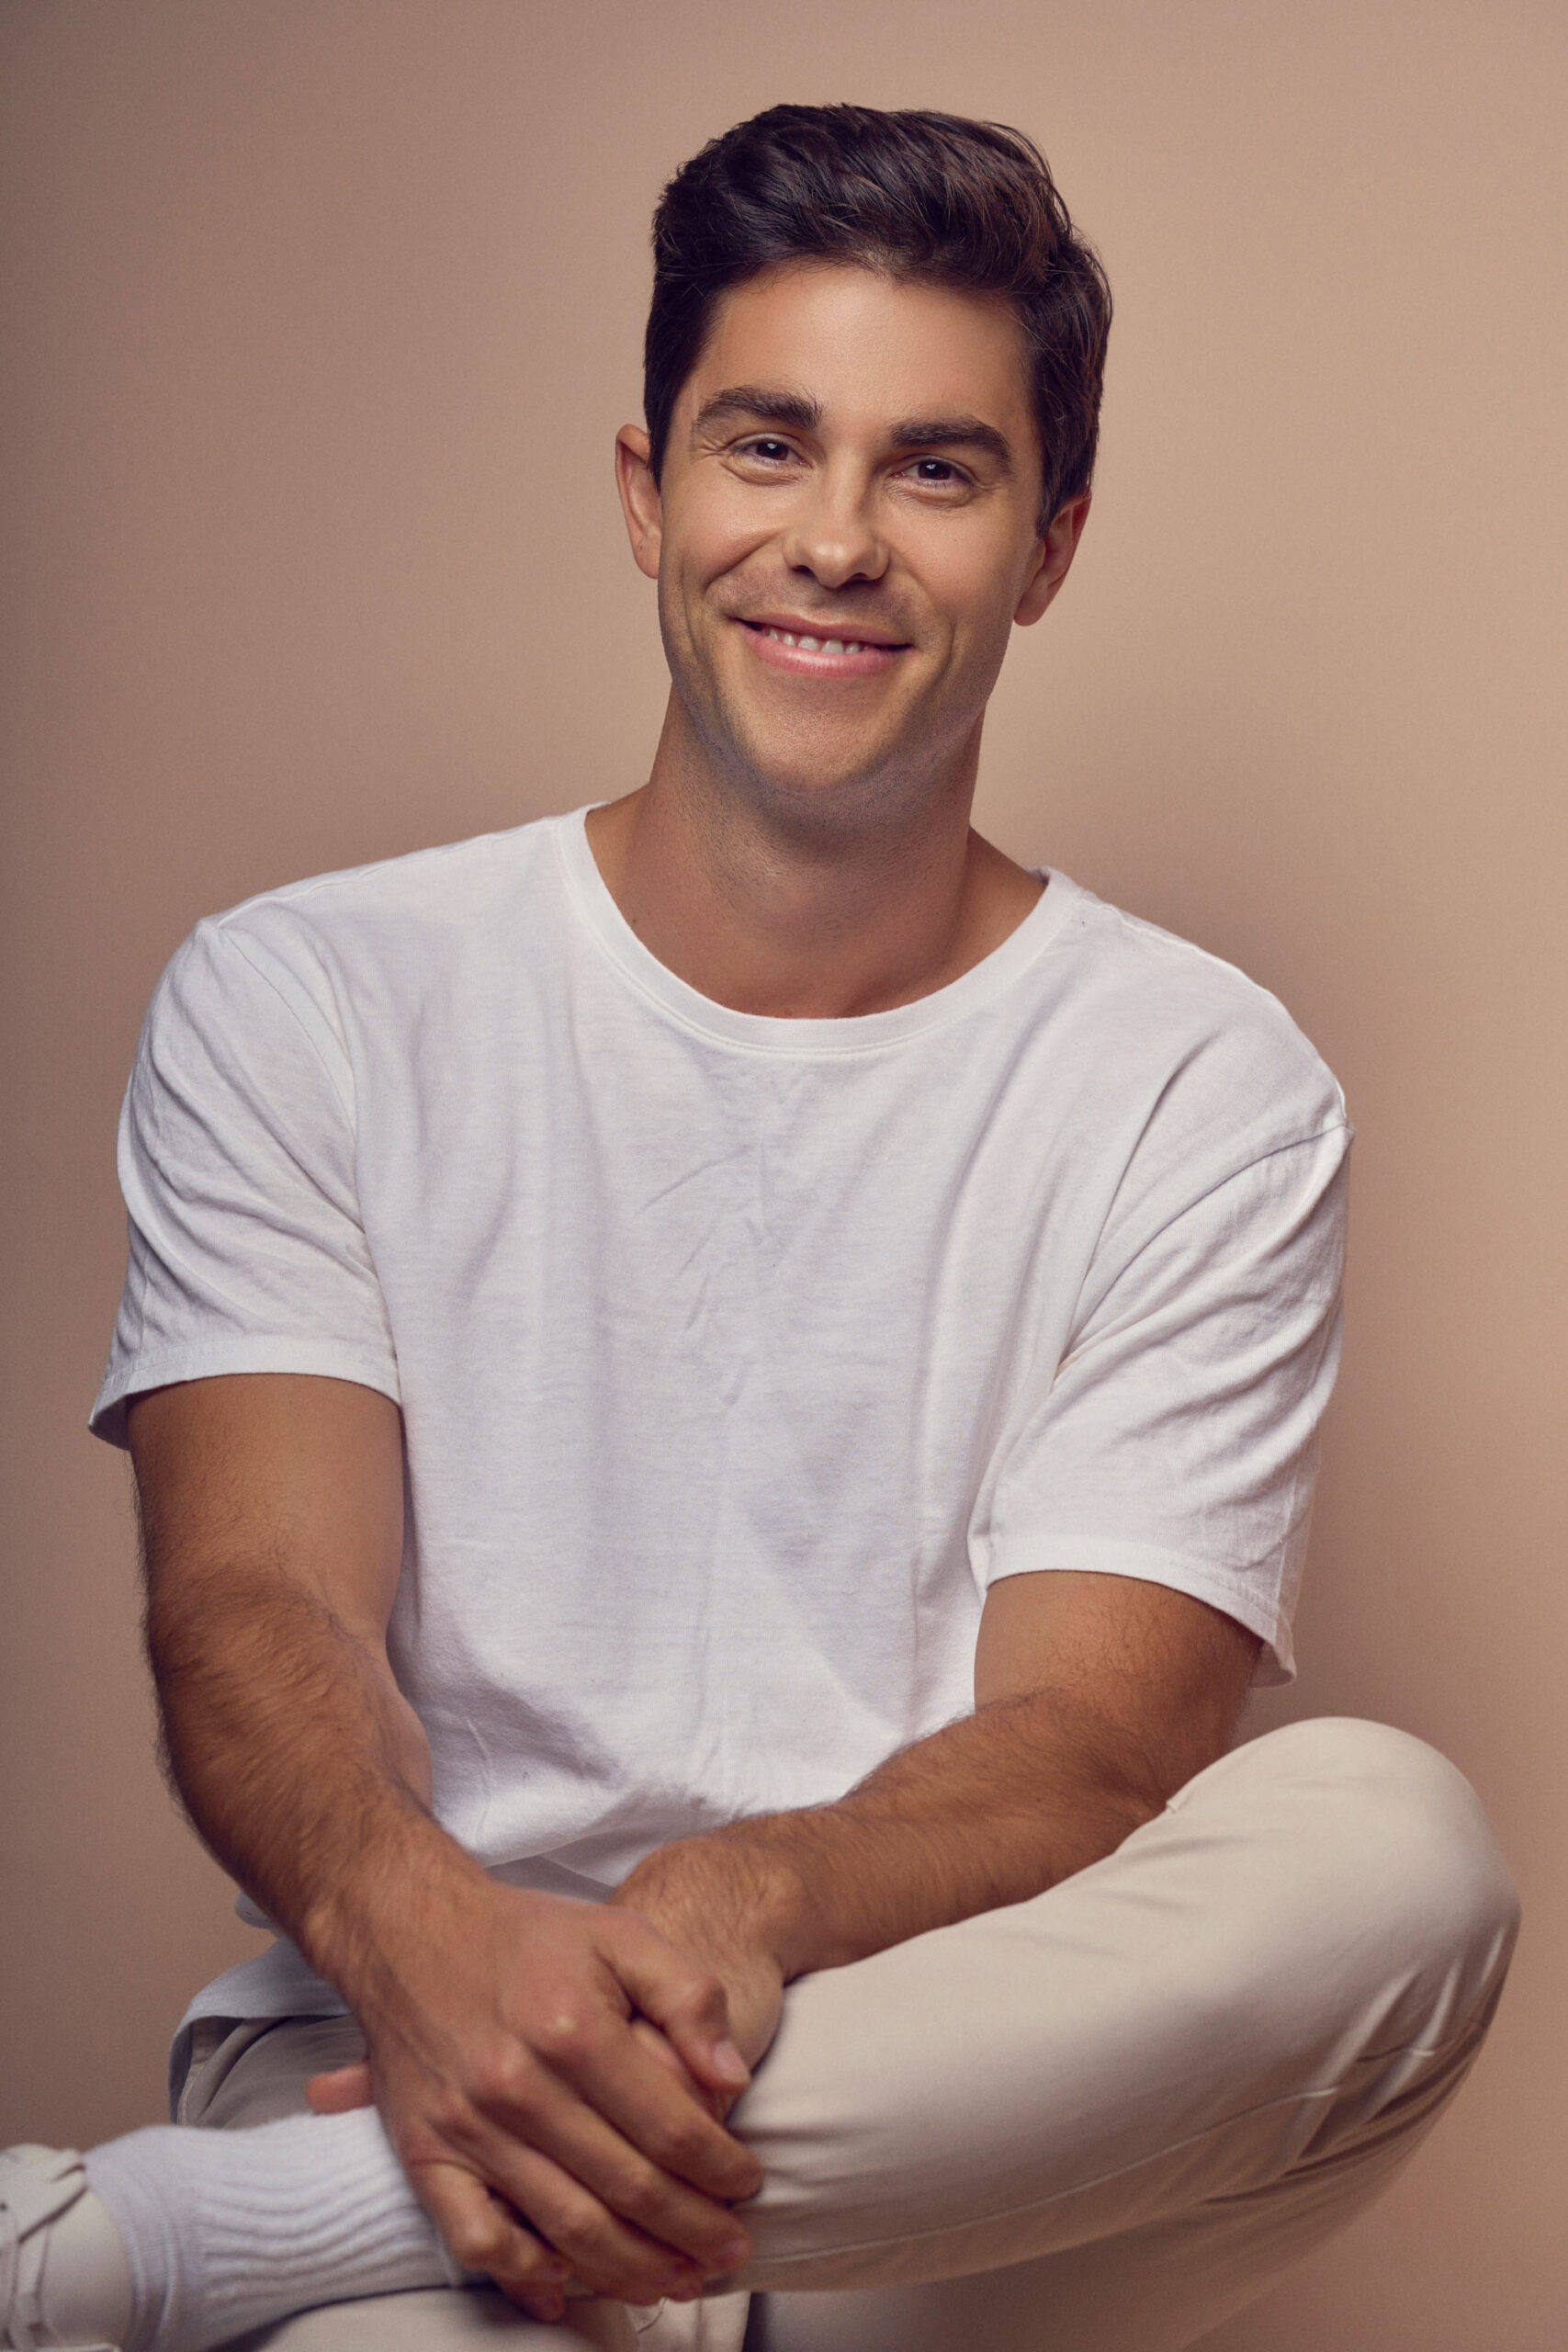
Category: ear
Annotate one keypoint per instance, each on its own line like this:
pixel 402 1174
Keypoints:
pixel 1054 553
pixel 640 501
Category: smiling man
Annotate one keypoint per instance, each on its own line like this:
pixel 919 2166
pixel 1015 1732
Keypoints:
pixel 724 1390
pixel 846 513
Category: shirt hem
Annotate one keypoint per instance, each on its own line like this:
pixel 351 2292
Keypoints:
pixel 317 1359
pixel 1146 1563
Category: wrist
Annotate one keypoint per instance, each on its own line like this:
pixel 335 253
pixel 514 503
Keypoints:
pixel 733 1890
pixel 401 1897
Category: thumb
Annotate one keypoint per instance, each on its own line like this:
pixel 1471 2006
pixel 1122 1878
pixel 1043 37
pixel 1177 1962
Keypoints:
pixel 656 2044
pixel 345 2087
pixel 691 2008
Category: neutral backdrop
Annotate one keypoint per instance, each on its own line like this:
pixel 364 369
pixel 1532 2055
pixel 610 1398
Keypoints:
pixel 321 316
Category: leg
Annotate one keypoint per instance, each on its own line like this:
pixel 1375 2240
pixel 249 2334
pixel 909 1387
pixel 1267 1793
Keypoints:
pixel 429 2318
pixel 1118 2109
pixel 1108 2117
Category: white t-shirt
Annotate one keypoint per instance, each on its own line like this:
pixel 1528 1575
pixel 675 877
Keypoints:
pixel 736 1356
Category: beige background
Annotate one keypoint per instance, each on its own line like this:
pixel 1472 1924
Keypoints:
pixel 325 315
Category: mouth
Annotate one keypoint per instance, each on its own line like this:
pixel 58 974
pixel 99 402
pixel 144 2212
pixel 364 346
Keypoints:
pixel 788 642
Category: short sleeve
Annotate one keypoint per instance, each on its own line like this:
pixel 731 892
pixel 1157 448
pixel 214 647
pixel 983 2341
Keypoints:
pixel 237 1160
pixel 1177 1441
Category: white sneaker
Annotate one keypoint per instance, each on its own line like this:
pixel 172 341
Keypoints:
pixel 65 2279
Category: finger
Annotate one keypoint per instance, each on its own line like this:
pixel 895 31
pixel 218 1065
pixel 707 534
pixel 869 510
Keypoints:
pixel 690 2008
pixel 596 2056
pixel 340 2089
pixel 660 2051
pixel 607 2254
pixel 521 2106
pixel 484 2235
pixel 638 2190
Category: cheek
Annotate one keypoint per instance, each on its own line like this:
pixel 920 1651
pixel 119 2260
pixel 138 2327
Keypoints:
pixel 702 550
pixel 977 594
pixel 714 535
pixel 969 565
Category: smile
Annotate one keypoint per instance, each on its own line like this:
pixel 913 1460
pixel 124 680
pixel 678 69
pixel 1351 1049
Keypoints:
pixel 811 654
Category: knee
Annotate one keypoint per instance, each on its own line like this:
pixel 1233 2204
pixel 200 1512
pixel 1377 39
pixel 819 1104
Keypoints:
pixel 1402 1846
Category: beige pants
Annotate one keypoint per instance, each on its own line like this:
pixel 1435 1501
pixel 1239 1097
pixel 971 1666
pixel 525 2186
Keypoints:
pixel 1097 2122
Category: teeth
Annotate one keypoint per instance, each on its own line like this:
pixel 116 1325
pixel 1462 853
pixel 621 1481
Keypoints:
pixel 814 644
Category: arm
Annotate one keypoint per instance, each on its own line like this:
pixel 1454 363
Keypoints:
pixel 1097 1697
pixel 506 2048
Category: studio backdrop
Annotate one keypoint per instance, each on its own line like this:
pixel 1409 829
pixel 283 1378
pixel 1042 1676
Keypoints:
pixel 321 316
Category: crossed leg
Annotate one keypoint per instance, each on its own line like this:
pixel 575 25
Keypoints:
pixel 1097 2122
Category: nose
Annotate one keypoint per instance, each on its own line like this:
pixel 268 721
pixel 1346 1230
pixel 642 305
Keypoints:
pixel 832 532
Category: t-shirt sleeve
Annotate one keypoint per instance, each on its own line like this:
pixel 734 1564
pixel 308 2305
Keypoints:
pixel 1177 1441
pixel 237 1160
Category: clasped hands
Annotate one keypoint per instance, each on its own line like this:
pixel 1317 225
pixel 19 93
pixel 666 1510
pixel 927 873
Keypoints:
pixel 555 2075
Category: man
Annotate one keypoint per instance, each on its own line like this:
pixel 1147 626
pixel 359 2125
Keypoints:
pixel 724 1392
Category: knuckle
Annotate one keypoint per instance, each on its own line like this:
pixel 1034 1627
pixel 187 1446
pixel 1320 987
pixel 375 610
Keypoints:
pixel 578 2228
pixel 499 2077
pixel 520 2262
pixel 642 2198
pixel 563 2034
pixel 445 2118
pixel 680 2142
pixel 701 1991
pixel 476 2240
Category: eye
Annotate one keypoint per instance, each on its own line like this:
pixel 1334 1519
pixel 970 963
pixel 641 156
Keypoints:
pixel 938 473
pixel 772 452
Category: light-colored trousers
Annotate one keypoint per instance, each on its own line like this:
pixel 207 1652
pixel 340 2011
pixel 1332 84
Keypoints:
pixel 1097 2122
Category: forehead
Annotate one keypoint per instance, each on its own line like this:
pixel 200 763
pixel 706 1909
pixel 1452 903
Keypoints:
pixel 866 347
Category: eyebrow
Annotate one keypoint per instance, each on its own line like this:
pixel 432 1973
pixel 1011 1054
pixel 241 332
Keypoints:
pixel 954 432
pixel 773 406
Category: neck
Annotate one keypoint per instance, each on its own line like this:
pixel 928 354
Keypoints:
pixel 805 915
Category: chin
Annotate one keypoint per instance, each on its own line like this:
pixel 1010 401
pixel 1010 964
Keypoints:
pixel 822 776
pixel 831 794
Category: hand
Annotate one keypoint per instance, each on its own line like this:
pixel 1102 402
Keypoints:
pixel 548 2132
pixel 715 1899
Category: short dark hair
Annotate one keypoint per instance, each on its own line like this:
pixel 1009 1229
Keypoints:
pixel 927 197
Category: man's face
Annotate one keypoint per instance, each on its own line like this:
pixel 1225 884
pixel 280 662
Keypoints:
pixel 846 530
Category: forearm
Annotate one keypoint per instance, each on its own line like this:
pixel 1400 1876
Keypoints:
pixel 987 1812
pixel 300 1761
pixel 1097 1697
pixel 271 1515
pixel 508 2033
